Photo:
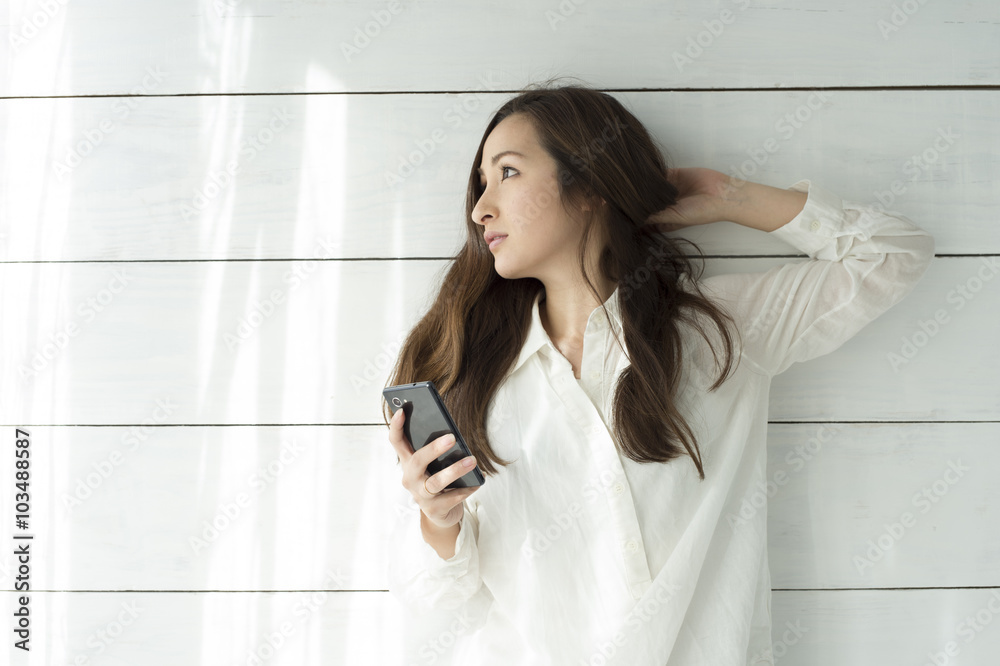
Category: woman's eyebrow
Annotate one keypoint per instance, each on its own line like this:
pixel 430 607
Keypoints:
pixel 498 156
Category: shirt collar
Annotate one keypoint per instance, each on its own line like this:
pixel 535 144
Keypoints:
pixel 539 338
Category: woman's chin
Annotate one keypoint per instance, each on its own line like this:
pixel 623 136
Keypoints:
pixel 505 271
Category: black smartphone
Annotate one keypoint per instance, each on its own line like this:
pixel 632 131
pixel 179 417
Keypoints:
pixel 427 418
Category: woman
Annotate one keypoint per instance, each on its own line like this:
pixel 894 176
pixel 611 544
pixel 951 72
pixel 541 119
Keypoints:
pixel 616 404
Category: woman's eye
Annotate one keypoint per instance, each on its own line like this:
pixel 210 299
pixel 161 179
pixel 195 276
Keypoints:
pixel 503 170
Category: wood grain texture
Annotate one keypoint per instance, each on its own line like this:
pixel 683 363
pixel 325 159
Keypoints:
pixel 378 176
pixel 819 628
pixel 275 342
pixel 277 507
pixel 234 47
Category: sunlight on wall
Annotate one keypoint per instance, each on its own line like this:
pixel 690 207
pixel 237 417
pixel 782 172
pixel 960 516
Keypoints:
pixel 318 230
pixel 34 209
pixel 225 54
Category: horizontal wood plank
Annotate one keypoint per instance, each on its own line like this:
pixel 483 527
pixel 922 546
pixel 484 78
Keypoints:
pixel 219 46
pixel 378 176
pixel 313 342
pixel 275 508
pixel 821 628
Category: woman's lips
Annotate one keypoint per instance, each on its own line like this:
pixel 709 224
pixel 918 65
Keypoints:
pixel 496 241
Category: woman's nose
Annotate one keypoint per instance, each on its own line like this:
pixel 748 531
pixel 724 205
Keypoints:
pixel 483 208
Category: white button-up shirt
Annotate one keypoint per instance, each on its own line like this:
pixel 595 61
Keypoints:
pixel 575 554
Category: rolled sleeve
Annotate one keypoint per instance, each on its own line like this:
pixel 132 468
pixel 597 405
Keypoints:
pixel 862 261
pixel 420 578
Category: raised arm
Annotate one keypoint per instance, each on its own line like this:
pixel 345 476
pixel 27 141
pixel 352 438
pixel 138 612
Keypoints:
pixel 861 262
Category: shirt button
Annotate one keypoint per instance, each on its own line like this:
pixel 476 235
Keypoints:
pixel 814 225
pixel 595 375
pixel 618 488
pixel 631 546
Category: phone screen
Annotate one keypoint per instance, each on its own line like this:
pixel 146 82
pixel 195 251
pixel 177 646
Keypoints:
pixel 427 419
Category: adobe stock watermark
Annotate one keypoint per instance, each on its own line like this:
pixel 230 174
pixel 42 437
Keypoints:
pixel 498 413
pixel 58 340
pixel 563 11
pixel 589 153
pixel 101 639
pixel 960 295
pixel 914 167
pixel 766 320
pixel 796 459
pixel 635 278
pixel 302 611
pixel 924 499
pixel 454 115
pixel 899 17
pixel 131 440
pixel 374 368
pixel 436 646
pixel 264 309
pixel 219 181
pixel 778 649
pixel 94 136
pixel 32 25
pixel 612 131
pixel 969 628
pixel 786 126
pixel 539 541
pixel 653 601
pixel 703 41
pixel 228 513
pixel 364 34
pixel 222 7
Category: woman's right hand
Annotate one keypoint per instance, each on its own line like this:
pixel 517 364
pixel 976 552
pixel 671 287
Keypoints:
pixel 445 508
pixel 703 196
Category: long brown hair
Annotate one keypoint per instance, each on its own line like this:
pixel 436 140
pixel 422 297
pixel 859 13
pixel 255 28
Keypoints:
pixel 473 333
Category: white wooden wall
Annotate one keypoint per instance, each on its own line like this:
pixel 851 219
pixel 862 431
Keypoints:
pixel 130 262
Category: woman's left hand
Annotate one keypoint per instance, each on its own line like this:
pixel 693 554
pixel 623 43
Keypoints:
pixel 703 197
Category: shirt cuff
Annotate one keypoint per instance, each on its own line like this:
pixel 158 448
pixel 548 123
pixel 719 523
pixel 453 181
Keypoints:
pixel 463 549
pixel 820 222
pixel 419 577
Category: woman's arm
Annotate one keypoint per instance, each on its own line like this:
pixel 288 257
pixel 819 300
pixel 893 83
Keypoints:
pixel 761 206
pixel 419 574
pixel 706 196
pixel 862 261
pixel 441 539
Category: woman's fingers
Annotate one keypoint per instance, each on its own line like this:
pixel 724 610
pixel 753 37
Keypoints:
pixel 396 437
pixel 435 500
pixel 439 482
pixel 433 449
pixel 415 462
pixel 444 508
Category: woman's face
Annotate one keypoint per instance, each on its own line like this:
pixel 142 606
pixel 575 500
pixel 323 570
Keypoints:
pixel 521 200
